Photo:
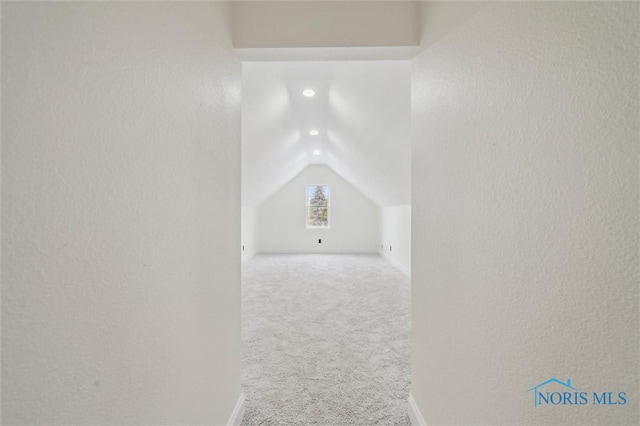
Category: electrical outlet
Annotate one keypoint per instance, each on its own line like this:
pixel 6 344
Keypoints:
pixel 390 248
pixel 242 248
pixel 319 240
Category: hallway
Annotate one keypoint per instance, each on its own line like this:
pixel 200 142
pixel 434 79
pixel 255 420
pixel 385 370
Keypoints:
pixel 325 340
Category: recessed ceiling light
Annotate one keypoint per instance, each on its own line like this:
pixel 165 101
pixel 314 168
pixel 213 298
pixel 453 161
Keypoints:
pixel 316 152
pixel 313 132
pixel 309 93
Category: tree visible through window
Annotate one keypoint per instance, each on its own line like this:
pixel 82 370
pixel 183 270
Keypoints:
pixel 317 206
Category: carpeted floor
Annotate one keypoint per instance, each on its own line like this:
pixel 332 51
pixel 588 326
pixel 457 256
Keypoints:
pixel 325 340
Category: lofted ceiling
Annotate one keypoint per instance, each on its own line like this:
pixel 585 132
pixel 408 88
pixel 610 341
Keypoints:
pixel 361 110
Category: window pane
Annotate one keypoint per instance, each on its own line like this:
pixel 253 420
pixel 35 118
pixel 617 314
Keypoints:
pixel 318 195
pixel 318 216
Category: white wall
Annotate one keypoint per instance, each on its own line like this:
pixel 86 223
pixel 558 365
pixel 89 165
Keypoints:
pixel 395 236
pixel 353 218
pixel 249 232
pixel 121 220
pixel 275 24
pixel 525 211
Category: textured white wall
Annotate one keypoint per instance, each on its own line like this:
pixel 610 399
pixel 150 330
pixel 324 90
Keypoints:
pixel 353 218
pixel 277 24
pixel 121 221
pixel 395 236
pixel 525 211
pixel 249 232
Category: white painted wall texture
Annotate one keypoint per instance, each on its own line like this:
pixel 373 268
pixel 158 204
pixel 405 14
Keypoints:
pixel 395 236
pixel 308 24
pixel 525 211
pixel 353 218
pixel 249 232
pixel 121 220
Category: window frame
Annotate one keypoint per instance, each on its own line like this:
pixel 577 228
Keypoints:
pixel 307 206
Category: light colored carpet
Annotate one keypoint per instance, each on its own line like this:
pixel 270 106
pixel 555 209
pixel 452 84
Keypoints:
pixel 325 340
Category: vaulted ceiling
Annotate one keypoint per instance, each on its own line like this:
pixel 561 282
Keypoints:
pixel 361 111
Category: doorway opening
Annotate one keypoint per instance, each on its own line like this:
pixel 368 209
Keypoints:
pixel 326 309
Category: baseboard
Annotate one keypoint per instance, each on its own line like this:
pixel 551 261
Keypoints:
pixel 414 413
pixel 395 263
pixel 238 412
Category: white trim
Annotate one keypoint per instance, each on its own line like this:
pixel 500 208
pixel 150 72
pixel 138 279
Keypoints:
pixel 414 413
pixel 238 412
pixel 395 263
pixel 375 53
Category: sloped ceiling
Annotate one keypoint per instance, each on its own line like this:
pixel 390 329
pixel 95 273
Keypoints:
pixel 361 111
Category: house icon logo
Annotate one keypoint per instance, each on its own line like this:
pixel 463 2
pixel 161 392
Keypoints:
pixel 537 395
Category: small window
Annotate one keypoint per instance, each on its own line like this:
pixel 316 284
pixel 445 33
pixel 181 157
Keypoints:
pixel 317 206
